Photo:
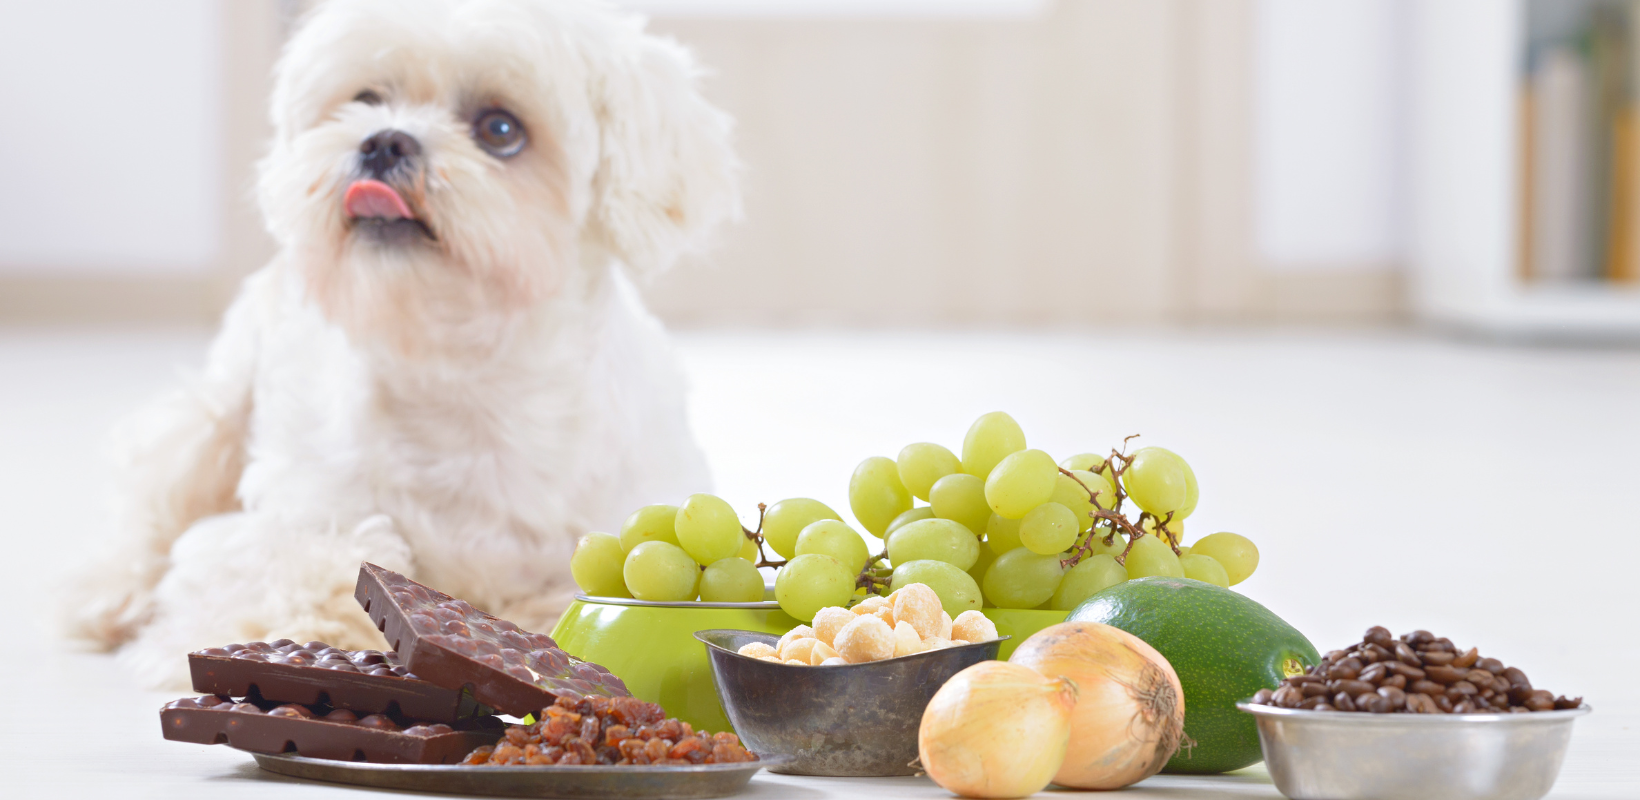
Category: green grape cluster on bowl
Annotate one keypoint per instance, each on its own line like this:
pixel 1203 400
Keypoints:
pixel 1007 526
pixel 1004 525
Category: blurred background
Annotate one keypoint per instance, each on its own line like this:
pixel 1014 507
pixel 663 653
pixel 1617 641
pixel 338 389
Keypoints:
pixel 1369 265
pixel 948 162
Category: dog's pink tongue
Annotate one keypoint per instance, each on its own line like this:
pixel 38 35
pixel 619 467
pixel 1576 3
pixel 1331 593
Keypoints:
pixel 374 199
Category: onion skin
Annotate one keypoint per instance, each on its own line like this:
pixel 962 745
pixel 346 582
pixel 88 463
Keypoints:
pixel 1129 715
pixel 996 729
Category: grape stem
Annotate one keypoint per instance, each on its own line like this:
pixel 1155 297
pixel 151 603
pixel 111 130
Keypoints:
pixel 1113 469
pixel 871 579
pixel 757 536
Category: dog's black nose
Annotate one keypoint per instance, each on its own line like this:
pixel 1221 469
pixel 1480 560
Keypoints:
pixel 384 150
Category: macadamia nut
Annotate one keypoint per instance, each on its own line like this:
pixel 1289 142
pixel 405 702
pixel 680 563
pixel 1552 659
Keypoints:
pixel 828 621
pixel 800 649
pixel 865 639
pixel 798 632
pixel 821 652
pixel 973 626
pixel 945 625
pixel 756 650
pixel 869 605
pixel 920 606
pixel 906 640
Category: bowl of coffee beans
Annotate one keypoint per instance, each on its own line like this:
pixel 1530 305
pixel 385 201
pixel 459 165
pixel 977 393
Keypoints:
pixel 1412 717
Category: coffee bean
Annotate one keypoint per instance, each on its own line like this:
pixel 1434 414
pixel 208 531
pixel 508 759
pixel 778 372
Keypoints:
pixel 1397 681
pixel 1491 665
pixel 1435 658
pixel 1467 659
pixel 1480 677
pixel 1418 638
pixel 1396 697
pixel 1446 675
pixel 1375 673
pixel 1540 700
pixel 1401 668
pixel 1314 689
pixel 1405 654
pixel 1309 703
pixel 1517 678
pixel 1462 688
pixel 1353 688
pixel 1342 671
pixel 1375 703
pixel 1430 688
pixel 1289 697
pixel 1262 697
pixel 1378 635
pixel 1343 702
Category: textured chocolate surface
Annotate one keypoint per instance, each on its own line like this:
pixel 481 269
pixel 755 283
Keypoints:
pixel 318 732
pixel 448 642
pixel 365 681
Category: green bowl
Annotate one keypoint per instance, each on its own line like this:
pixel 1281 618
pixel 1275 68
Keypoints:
pixel 652 646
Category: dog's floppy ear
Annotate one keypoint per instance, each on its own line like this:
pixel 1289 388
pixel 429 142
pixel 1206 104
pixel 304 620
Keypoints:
pixel 666 172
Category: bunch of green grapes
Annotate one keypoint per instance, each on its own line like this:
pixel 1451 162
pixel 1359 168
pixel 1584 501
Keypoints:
pixel 1003 525
pixel 1007 526
pixel 700 550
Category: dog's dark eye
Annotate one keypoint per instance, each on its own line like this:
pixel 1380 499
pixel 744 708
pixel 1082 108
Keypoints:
pixel 368 97
pixel 499 133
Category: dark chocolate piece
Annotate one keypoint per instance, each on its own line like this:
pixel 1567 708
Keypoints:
pixel 315 733
pixel 366 681
pixel 448 642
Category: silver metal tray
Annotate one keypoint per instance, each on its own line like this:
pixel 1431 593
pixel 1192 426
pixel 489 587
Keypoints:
pixel 589 781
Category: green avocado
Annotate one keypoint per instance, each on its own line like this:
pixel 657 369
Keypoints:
pixel 1224 647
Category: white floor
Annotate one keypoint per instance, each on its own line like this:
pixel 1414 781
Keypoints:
pixel 1486 493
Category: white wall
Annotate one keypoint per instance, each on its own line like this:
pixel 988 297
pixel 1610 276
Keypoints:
pixel 109 136
pixel 1329 116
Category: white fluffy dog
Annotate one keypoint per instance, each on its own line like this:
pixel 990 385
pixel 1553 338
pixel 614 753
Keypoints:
pixel 445 370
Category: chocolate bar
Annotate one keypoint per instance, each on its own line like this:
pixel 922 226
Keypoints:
pixel 314 732
pixel 448 642
pixel 364 681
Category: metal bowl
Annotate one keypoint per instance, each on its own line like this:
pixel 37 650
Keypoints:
pixel 857 720
pixel 1334 755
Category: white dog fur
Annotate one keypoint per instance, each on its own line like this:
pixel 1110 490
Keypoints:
pixel 459 408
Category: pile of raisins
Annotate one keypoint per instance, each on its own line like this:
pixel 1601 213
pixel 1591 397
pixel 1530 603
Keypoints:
pixel 609 730
pixel 1417 674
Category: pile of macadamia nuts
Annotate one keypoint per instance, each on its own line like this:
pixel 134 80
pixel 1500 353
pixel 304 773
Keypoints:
pixel 908 621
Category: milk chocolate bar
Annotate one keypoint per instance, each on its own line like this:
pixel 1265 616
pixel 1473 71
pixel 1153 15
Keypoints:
pixel 315 732
pixel 363 681
pixel 448 642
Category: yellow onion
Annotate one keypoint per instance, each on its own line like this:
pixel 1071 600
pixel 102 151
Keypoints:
pixel 1129 715
pixel 996 730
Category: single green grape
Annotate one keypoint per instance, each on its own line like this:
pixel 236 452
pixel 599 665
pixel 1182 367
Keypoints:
pixel 748 551
pixel 1149 556
pixel 1002 534
pixel 836 539
pixel 1090 462
pixel 961 498
pixel 1191 494
pixel 811 582
pixel 957 589
pixel 923 463
pixel 935 539
pixel 1090 575
pixel 1048 529
pixel 876 495
pixel 650 524
pixel 1155 480
pixel 732 580
pixel 920 512
pixel 708 528
pixel 787 518
pixel 1205 569
pixel 596 565
pixel 1184 550
pixel 990 439
pixel 660 571
pixel 1020 578
pixel 1070 494
pixel 1236 553
pixel 1020 482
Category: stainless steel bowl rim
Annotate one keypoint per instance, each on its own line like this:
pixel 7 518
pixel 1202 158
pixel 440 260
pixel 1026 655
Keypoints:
pixel 761 605
pixel 833 666
pixel 1360 718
